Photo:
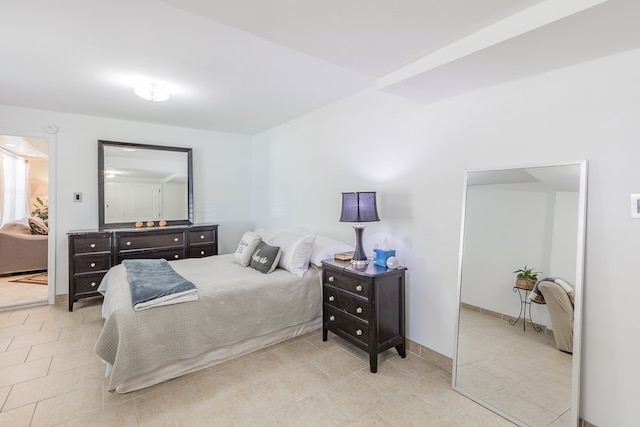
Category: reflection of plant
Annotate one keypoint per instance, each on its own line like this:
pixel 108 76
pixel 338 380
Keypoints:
pixel 527 273
pixel 41 209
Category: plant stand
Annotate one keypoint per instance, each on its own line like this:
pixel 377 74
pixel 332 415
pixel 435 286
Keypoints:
pixel 523 292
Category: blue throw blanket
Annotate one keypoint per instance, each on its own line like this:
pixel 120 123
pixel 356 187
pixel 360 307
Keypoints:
pixel 153 282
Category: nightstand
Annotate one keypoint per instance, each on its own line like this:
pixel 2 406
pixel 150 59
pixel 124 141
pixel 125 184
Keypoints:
pixel 364 306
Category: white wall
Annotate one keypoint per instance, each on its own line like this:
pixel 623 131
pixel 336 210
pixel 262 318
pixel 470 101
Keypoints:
pixel 221 194
pixel 506 228
pixel 414 156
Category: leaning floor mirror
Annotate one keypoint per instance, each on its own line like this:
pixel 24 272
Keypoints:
pixel 518 341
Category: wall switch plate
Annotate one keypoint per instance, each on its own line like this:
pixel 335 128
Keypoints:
pixel 635 206
pixel 77 197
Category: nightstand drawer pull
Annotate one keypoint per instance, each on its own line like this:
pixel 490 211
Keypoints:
pixel 93 284
pixel 93 264
pixel 202 236
pixel 359 332
pixel 175 239
pixel 201 252
pixel 176 256
pixel 359 310
pixel 128 243
pixel 331 298
pixel 359 288
pixel 332 318
pixel 331 278
pixel 93 245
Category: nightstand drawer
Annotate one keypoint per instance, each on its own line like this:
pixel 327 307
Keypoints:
pixel 358 307
pixel 87 283
pixel 350 283
pixel 338 320
pixel 92 263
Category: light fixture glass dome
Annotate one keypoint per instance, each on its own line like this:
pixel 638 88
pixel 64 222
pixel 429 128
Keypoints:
pixel 152 92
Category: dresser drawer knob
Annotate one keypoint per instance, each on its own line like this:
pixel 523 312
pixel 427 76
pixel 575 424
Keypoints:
pixel 359 310
pixel 201 252
pixel 359 288
pixel 93 245
pixel 331 278
pixel 176 256
pixel 202 236
pixel 359 332
pixel 331 298
pixel 128 243
pixel 332 318
pixel 93 264
pixel 93 284
pixel 175 239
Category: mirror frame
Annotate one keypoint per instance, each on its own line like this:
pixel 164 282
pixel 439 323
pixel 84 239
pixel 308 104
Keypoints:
pixel 101 209
pixel 579 287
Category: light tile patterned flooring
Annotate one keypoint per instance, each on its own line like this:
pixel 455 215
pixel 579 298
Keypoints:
pixel 520 371
pixel 49 376
pixel 13 294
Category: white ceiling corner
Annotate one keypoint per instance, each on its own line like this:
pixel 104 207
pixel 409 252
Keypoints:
pixel 244 66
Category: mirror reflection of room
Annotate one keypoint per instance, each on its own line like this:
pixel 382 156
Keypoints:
pixel 144 185
pixel 514 352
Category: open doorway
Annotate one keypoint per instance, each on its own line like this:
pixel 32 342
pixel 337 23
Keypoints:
pixel 24 221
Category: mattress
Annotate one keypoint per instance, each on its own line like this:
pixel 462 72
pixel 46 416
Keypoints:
pixel 239 310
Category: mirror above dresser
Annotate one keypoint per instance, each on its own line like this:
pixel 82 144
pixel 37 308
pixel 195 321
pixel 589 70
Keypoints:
pixel 142 182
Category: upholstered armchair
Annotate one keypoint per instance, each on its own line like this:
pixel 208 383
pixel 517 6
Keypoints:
pixel 20 250
pixel 560 310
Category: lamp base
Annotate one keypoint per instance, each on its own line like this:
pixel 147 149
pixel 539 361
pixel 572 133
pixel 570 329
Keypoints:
pixel 360 259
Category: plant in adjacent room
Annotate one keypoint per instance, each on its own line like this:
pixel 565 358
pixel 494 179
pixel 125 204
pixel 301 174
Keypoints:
pixel 527 273
pixel 41 209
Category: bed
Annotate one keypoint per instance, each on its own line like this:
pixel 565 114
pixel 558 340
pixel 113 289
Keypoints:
pixel 239 310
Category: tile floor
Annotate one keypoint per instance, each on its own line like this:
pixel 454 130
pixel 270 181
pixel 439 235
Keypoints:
pixel 49 376
pixel 520 371
pixel 14 294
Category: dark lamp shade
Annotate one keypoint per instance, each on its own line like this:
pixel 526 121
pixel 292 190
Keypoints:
pixel 359 207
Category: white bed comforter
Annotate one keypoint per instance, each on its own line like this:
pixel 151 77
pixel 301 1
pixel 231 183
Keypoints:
pixel 236 304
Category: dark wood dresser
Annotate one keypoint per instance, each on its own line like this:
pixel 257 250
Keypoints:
pixel 365 307
pixel 92 252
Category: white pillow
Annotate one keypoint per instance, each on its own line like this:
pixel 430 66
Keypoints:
pixel 247 245
pixel 296 250
pixel 326 247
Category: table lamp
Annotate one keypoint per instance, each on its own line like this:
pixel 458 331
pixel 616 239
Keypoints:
pixel 359 207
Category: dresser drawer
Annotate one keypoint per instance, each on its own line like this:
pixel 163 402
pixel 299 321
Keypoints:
pixel 91 244
pixel 350 283
pixel 91 263
pixel 87 283
pixel 338 320
pixel 154 240
pixel 356 306
pixel 202 251
pixel 203 236
pixel 168 254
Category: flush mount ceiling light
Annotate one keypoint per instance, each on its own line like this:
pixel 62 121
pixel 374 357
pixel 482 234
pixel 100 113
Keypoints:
pixel 151 92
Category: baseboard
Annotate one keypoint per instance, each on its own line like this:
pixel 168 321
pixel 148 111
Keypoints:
pixel 507 317
pixel 440 360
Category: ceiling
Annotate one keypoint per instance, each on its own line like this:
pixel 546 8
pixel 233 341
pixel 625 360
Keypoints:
pixel 244 66
pixel 559 177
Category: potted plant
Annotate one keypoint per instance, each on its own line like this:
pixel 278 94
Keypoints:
pixel 526 277
pixel 41 209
